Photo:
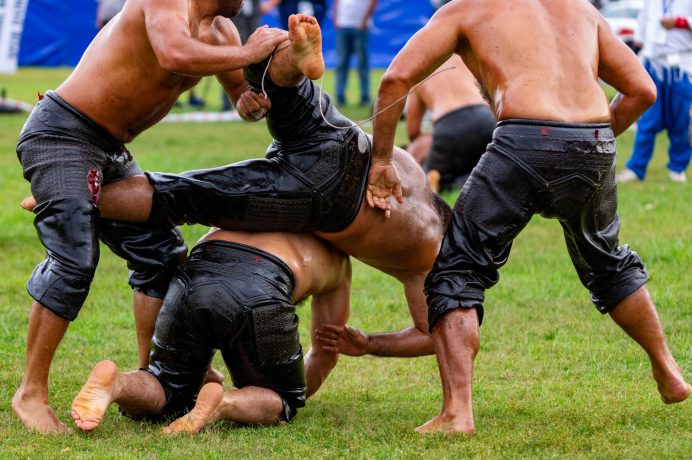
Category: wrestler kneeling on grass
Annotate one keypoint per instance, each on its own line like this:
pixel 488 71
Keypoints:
pixel 237 292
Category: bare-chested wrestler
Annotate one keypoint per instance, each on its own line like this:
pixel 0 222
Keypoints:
pixel 73 143
pixel 553 153
pixel 237 292
pixel 463 124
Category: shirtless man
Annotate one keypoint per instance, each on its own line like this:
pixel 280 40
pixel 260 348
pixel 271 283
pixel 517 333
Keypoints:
pixel 552 153
pixel 73 142
pixel 463 124
pixel 237 292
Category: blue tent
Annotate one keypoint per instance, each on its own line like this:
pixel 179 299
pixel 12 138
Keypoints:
pixel 57 33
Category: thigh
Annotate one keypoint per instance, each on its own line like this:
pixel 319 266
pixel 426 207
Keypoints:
pixel 62 167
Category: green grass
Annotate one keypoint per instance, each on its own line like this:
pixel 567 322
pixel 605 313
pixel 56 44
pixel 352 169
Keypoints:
pixel 553 378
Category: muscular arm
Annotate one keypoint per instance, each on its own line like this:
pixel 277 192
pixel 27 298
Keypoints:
pixel 332 307
pixel 178 52
pixel 423 53
pixel 619 67
pixel 407 343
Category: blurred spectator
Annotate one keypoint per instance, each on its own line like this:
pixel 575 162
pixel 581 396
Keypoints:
pixel 106 10
pixel 666 40
pixel 463 125
pixel 352 20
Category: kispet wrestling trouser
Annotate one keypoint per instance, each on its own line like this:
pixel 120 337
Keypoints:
pixel 236 299
pixel 67 158
pixel 459 140
pixel 312 178
pixel 559 170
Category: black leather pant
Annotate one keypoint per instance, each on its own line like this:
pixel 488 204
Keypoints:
pixel 559 170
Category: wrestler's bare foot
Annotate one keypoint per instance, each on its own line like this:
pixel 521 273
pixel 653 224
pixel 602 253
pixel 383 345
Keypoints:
pixel 95 397
pixel 673 388
pixel 204 413
pixel 447 425
pixel 36 414
pixel 306 44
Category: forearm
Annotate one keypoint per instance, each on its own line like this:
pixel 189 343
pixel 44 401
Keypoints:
pixel 385 123
pixel 625 110
pixel 195 58
pixel 407 343
pixel 318 365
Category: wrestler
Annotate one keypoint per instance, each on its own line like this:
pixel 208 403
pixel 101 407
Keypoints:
pixel 73 142
pixel 463 124
pixel 274 194
pixel 553 153
pixel 237 292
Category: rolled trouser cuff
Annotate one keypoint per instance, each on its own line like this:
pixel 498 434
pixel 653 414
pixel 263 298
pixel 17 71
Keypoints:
pixel 438 306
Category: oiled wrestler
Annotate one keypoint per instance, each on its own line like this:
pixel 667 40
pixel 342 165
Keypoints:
pixel 553 154
pixel 237 293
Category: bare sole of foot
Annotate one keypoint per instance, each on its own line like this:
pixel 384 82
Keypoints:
pixel 306 44
pixel 201 415
pixel 437 425
pixel 95 397
pixel 37 416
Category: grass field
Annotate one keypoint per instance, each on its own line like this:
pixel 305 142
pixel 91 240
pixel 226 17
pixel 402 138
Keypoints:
pixel 554 378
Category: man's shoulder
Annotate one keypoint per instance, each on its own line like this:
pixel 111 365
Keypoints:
pixel 225 32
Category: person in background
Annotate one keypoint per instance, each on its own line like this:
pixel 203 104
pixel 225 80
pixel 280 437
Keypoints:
pixel 352 21
pixel 463 124
pixel 665 39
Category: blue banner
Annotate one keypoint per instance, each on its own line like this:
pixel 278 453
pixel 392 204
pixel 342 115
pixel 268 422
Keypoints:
pixel 56 33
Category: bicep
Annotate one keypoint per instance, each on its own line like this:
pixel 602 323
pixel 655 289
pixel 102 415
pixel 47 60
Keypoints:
pixel 166 24
pixel 333 306
pixel 426 50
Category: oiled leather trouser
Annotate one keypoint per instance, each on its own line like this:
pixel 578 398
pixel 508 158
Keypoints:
pixel 558 170
pixel 312 178
pixel 67 158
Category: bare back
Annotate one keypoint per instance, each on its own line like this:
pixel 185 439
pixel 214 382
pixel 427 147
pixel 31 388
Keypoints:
pixel 120 82
pixel 316 265
pixel 536 59
pixel 453 87
pixel 405 243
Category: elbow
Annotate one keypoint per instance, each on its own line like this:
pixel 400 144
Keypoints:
pixel 173 61
pixel 648 95
pixel 395 81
